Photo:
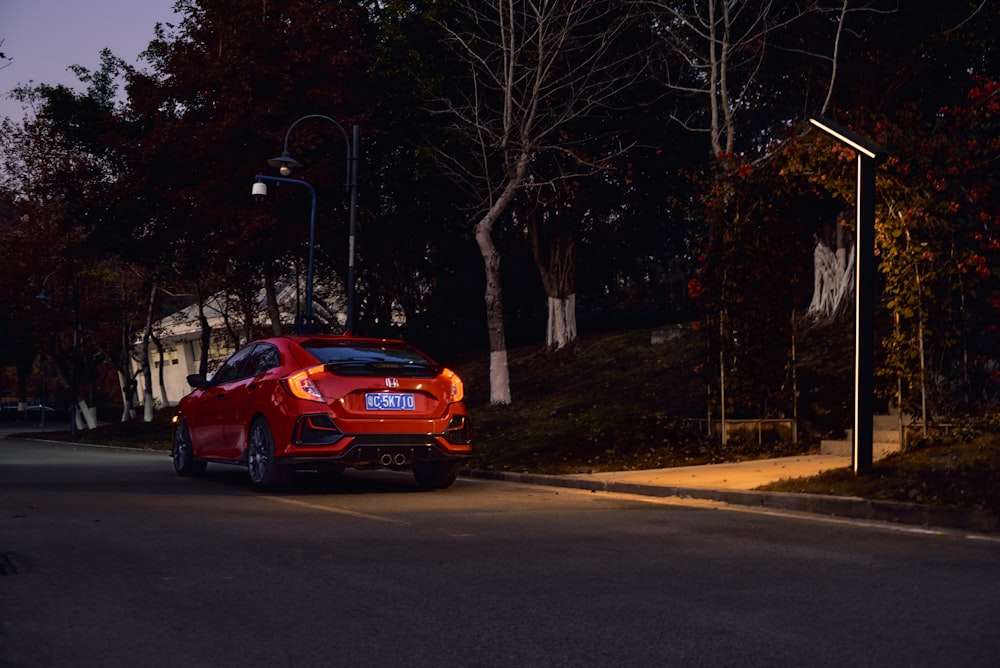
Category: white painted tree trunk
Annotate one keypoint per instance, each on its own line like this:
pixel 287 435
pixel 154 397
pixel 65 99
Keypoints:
pixel 499 373
pixel 499 378
pixel 561 329
pixel 833 281
pixel 82 415
pixel 552 231
pixel 128 409
pixel 147 374
pixel 85 417
pixel 160 371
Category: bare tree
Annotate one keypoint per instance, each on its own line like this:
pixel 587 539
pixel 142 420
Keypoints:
pixel 533 69
pixel 715 50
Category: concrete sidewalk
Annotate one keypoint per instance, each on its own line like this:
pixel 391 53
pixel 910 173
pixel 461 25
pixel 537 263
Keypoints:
pixel 743 475
pixel 737 483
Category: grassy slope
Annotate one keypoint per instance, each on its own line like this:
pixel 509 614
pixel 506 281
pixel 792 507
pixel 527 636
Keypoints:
pixel 610 401
pixel 616 401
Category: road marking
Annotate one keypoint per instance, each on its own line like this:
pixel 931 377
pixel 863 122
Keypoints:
pixel 988 539
pixel 881 525
pixel 334 510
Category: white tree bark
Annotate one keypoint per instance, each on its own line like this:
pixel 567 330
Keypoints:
pixel 85 417
pixel 499 378
pixel 552 229
pixel 499 373
pixel 160 371
pixel 147 374
pixel 833 281
pixel 562 322
pixel 128 410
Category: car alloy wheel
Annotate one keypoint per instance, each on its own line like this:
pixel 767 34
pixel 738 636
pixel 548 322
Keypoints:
pixel 182 452
pixel 265 473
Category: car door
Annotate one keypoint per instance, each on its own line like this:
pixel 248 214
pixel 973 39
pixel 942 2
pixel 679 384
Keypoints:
pixel 216 406
pixel 245 398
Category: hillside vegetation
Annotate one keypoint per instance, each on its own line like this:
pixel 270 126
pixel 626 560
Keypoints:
pixel 617 401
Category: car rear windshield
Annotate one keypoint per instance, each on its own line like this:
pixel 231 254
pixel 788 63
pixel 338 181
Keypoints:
pixel 368 359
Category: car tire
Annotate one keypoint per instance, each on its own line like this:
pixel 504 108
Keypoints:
pixel 435 475
pixel 182 452
pixel 265 473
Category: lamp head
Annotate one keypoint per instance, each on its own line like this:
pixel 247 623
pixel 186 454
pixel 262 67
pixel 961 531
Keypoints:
pixel 285 163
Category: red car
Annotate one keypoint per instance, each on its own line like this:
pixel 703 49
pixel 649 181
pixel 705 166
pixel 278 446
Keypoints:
pixel 324 403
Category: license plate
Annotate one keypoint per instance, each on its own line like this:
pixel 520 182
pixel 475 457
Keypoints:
pixel 389 401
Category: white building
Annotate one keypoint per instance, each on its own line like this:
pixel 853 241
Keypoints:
pixel 180 336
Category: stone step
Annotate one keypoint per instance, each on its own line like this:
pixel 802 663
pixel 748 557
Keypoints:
pixel 886 422
pixel 885 439
pixel 879 435
pixel 840 448
pixel 843 448
pixel 885 436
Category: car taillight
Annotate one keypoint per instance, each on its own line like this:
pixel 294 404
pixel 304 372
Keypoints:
pixel 302 386
pixel 457 389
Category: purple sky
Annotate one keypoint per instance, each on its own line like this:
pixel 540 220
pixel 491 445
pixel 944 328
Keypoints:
pixel 44 37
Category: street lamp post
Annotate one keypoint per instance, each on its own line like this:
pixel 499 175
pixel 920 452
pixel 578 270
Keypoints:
pixel 286 164
pixel 868 156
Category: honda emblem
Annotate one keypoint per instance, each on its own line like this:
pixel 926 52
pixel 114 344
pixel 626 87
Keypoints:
pixel 392 382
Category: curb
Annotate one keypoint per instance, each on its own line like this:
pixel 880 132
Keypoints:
pixel 962 519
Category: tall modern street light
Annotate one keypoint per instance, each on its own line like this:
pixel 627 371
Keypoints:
pixel 869 155
pixel 286 164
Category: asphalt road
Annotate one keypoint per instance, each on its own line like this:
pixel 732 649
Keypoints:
pixel 108 559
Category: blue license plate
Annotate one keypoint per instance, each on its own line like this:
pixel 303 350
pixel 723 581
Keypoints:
pixel 389 401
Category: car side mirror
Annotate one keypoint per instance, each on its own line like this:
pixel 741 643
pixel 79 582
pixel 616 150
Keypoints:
pixel 197 381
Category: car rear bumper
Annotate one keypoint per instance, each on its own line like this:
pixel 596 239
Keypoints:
pixel 381 453
pixel 316 439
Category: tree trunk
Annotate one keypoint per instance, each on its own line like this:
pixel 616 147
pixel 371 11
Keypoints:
pixel 147 374
pixel 833 280
pixel 561 329
pixel 206 332
pixel 23 366
pixel 558 275
pixel 163 386
pixel 82 415
pixel 125 382
pixel 499 373
pixel 272 302
pixel 125 377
